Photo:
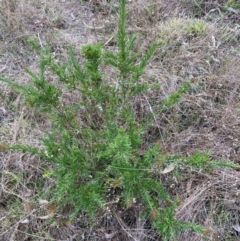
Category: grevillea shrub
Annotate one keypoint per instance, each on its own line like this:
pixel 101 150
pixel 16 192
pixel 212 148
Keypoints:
pixel 96 140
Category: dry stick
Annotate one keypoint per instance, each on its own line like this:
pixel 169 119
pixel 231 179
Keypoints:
pixel 109 40
pixel 40 41
pixel 124 226
pixel 17 127
pixel 94 28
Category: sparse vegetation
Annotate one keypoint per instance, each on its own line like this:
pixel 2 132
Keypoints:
pixel 233 4
pixel 132 149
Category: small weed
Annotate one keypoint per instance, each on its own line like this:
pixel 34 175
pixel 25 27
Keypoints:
pixel 196 28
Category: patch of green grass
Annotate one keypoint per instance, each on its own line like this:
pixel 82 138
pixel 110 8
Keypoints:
pixel 233 4
pixel 196 28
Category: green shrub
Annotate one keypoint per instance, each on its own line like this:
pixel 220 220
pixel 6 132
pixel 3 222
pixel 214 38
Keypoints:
pixel 96 141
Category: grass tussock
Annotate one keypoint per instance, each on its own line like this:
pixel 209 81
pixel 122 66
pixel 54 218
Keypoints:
pixel 200 45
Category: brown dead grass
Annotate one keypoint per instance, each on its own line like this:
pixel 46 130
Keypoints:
pixel 207 118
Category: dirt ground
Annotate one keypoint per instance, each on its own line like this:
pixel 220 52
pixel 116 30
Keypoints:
pixel 202 44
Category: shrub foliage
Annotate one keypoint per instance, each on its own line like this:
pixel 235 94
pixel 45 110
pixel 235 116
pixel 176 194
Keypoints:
pixel 96 140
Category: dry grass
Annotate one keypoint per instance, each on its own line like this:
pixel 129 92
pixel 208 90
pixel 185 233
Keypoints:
pixel 205 50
